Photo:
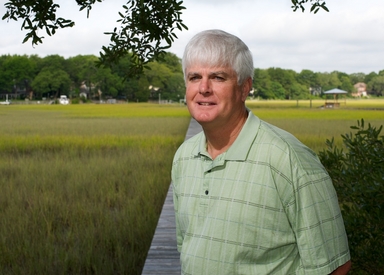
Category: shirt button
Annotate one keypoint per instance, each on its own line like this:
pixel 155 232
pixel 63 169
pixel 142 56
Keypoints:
pixel 206 192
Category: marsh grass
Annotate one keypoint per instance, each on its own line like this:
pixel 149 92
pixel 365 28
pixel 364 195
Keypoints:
pixel 83 185
pixel 82 194
pixel 313 126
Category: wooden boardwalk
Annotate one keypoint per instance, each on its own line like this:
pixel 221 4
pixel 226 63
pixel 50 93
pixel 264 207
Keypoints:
pixel 163 257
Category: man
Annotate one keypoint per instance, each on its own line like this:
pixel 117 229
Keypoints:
pixel 249 198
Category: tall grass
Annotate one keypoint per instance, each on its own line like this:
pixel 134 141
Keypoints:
pixel 80 212
pixel 83 185
pixel 313 126
pixel 82 193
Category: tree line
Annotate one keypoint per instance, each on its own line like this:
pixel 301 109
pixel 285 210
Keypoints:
pixel 277 83
pixel 33 77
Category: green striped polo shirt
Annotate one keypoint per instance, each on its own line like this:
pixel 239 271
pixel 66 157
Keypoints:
pixel 265 206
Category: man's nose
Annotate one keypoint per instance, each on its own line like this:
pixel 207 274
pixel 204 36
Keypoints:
pixel 204 87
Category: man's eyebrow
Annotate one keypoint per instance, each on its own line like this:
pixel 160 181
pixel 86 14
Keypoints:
pixel 192 73
pixel 219 72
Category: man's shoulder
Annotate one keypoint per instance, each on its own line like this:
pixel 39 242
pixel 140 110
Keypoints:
pixel 278 137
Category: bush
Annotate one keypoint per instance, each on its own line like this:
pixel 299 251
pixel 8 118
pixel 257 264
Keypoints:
pixel 358 176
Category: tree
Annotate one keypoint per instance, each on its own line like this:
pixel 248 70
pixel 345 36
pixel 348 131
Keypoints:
pixel 357 77
pixel 376 85
pixel 310 80
pixel 346 84
pixel 171 61
pixel 278 90
pixel 50 82
pixel 88 73
pixel 108 83
pixel 328 81
pixel 262 84
pixel 144 26
pixel 175 87
pixel 287 78
pixel 141 94
pixel 16 72
pixel 52 62
pixel 299 91
pixel 75 67
pixel 307 77
pixel 369 77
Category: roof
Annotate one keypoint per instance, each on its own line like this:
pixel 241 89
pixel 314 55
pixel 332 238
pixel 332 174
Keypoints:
pixel 335 91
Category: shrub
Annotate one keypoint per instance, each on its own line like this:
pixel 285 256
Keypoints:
pixel 358 176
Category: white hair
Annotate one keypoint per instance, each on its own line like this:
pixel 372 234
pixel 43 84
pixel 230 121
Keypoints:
pixel 219 48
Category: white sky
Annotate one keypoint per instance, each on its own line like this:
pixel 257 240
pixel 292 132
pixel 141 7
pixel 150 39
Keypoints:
pixel 348 39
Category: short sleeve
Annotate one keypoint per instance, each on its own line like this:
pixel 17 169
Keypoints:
pixel 318 224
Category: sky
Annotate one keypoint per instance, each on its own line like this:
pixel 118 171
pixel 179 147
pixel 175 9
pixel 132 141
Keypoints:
pixel 348 39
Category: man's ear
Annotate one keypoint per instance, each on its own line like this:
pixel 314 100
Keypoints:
pixel 247 87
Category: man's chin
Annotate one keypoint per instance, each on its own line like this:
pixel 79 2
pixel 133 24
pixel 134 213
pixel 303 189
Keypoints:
pixel 204 120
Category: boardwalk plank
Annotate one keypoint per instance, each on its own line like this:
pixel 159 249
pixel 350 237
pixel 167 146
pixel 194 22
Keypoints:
pixel 163 257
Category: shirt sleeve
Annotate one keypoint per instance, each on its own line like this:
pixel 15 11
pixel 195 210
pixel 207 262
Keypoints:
pixel 317 222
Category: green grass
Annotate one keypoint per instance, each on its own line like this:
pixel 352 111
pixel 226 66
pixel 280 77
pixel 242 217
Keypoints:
pixel 83 185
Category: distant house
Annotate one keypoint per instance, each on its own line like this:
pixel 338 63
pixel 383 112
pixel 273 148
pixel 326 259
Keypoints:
pixel 360 90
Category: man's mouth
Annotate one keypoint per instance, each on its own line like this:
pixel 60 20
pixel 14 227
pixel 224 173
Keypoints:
pixel 205 103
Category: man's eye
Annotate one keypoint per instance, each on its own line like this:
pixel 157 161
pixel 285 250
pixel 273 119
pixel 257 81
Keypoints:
pixel 219 78
pixel 192 78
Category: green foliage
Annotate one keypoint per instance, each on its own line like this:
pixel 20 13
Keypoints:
pixel 308 78
pixel 346 83
pixel 36 15
pixel 262 84
pixel 16 71
pixel 329 81
pixel 277 90
pixel 55 82
pixel 358 176
pixel 316 5
pixel 357 77
pixel 145 25
pixel 377 84
pixel 299 91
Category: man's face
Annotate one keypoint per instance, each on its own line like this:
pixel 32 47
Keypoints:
pixel 213 96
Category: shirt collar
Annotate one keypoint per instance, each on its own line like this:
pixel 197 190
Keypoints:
pixel 240 148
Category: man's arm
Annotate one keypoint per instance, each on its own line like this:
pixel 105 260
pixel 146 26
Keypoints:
pixel 343 269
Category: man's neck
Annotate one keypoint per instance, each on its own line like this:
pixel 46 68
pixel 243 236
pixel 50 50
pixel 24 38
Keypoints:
pixel 220 138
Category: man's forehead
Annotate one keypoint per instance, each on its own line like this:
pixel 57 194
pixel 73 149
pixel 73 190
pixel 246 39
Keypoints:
pixel 200 68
